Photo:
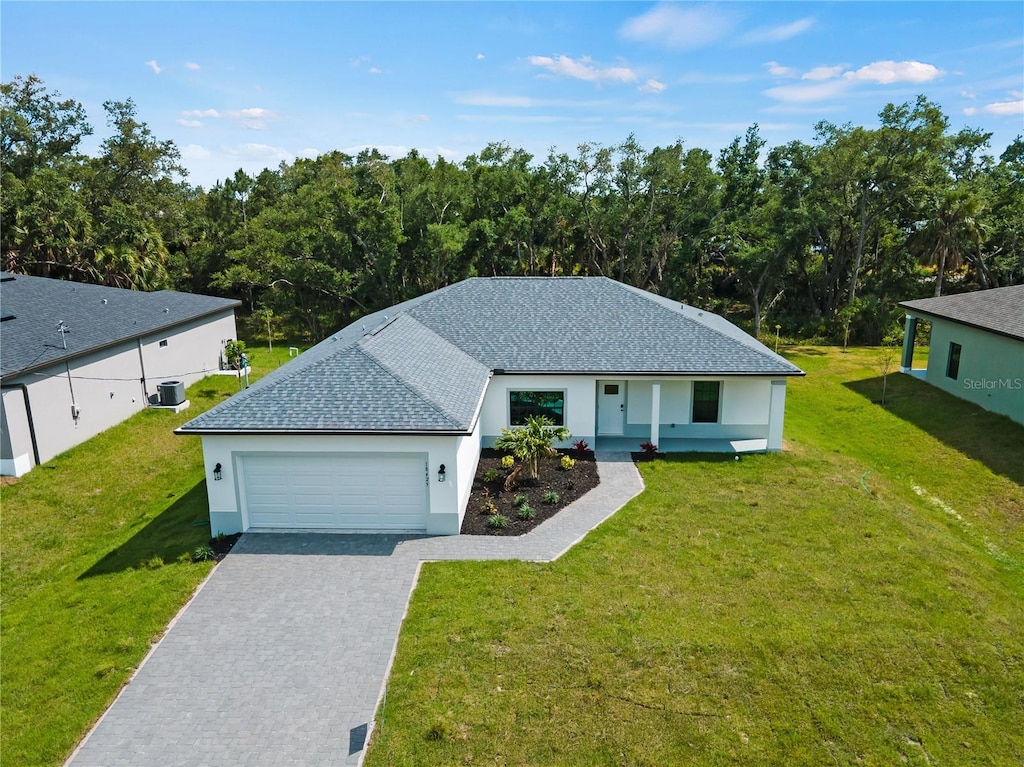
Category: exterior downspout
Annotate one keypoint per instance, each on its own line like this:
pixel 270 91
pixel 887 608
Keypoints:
pixel 28 414
pixel 142 369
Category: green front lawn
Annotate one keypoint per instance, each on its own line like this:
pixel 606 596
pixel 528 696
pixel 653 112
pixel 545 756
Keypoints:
pixel 858 599
pixel 96 561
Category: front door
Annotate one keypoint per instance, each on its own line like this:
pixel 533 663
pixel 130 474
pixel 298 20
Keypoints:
pixel 611 407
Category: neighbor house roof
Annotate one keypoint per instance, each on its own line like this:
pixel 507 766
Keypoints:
pixel 1000 310
pixel 97 316
pixel 423 366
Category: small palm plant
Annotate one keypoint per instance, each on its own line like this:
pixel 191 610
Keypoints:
pixel 532 441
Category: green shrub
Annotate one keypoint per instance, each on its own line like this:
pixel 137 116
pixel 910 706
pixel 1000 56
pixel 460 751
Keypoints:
pixel 203 553
pixel 568 462
pixel 490 475
pixel 526 512
pixel 551 498
pixel 489 508
pixel 507 462
pixel 497 521
pixel 532 441
pixel 519 500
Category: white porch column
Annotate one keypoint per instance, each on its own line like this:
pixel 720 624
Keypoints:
pixel 655 412
pixel 776 415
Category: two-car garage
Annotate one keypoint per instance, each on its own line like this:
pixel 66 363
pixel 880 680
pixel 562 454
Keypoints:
pixel 334 491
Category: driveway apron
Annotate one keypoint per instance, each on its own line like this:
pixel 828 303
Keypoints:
pixel 281 657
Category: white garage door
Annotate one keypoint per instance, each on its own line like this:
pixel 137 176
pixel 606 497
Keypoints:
pixel 336 491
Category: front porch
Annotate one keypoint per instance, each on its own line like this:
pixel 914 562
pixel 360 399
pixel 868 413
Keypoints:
pixel 679 445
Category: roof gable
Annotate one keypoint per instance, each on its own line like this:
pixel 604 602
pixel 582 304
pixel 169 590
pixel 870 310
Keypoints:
pixel 1000 310
pixel 400 377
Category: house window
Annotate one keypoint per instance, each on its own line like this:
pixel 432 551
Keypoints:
pixel 953 365
pixel 705 401
pixel 523 404
pixel 163 343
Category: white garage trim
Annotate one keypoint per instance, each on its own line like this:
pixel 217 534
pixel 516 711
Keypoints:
pixel 356 492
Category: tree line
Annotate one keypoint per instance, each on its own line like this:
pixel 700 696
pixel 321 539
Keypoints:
pixel 821 237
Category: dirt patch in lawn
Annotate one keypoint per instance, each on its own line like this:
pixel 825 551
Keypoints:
pixel 566 485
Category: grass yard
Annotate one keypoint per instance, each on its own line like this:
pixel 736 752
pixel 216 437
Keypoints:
pixel 858 599
pixel 96 561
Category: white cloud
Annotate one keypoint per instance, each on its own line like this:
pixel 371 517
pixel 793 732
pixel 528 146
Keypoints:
pixel 968 94
pixel 251 113
pixel 775 69
pixel 373 71
pixel 192 65
pixel 583 69
pixel 887 72
pixel 252 118
pixel 823 73
pixel 652 86
pixel 416 119
pixel 195 152
pixel 154 66
pixel 799 93
pixel 1005 108
pixel 779 33
pixel 679 27
pixel 309 153
pixel 260 153
pixel 358 61
pixel 970 111
pixel 480 57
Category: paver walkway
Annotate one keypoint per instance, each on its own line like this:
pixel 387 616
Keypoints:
pixel 281 657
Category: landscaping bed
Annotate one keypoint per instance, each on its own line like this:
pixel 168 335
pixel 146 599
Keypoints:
pixel 567 485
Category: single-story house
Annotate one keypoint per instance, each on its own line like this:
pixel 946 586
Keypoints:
pixel 380 426
pixel 75 359
pixel 976 349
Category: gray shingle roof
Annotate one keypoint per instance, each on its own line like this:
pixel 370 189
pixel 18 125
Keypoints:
pixel 97 315
pixel 398 377
pixel 424 365
pixel 1000 310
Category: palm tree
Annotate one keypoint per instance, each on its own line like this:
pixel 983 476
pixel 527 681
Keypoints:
pixel 532 441
pixel 944 239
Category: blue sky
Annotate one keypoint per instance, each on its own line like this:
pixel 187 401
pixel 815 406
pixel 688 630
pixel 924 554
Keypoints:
pixel 251 84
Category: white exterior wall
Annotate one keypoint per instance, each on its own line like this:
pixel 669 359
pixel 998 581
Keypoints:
pixel 446 501
pixel 107 386
pixel 106 390
pixel 192 352
pixel 580 402
pixel 746 400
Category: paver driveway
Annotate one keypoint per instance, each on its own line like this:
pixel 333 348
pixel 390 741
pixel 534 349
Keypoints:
pixel 281 657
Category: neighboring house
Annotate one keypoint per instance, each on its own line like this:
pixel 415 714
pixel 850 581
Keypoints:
pixel 120 346
pixel 379 427
pixel 976 348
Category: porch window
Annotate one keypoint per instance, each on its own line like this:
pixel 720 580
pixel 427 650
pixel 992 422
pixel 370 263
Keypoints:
pixel 523 404
pixel 705 401
pixel 953 365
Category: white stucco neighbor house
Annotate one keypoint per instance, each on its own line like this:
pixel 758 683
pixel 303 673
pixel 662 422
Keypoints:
pixel 379 427
pixel 976 346
pixel 109 357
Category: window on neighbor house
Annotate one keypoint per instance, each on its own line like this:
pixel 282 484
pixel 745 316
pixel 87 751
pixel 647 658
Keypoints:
pixel 523 404
pixel 953 364
pixel 705 401
pixel 163 343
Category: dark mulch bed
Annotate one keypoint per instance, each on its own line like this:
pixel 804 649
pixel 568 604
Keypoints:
pixel 569 485
pixel 221 546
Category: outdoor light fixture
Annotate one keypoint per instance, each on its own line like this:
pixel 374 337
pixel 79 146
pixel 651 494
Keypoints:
pixel 217 474
pixel 440 474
